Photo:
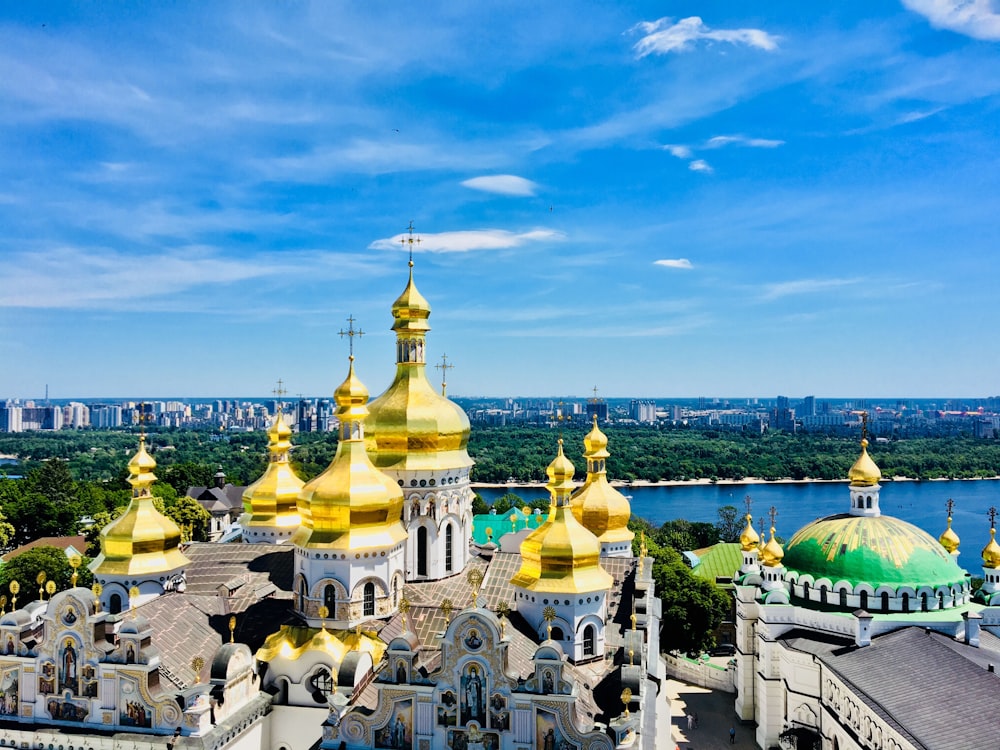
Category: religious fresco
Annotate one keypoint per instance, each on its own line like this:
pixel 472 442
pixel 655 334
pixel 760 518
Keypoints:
pixel 132 709
pixel 548 735
pixel 89 673
pixel 67 710
pixel 474 739
pixel 69 665
pixel 447 710
pixel 499 715
pixel 9 647
pixel 398 733
pixel 473 641
pixel 548 682
pixel 47 679
pixel 473 698
pixel 10 679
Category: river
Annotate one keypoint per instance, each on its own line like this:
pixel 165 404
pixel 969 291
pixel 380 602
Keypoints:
pixel 798 503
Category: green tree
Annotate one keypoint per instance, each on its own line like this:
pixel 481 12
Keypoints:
pixel 507 501
pixel 52 561
pixel 479 506
pixel 188 514
pixel 728 526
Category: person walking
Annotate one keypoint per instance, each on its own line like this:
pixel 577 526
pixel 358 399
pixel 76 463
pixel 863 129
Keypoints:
pixel 732 735
pixel 690 720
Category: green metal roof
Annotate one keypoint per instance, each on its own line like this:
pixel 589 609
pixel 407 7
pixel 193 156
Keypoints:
pixel 502 524
pixel 721 560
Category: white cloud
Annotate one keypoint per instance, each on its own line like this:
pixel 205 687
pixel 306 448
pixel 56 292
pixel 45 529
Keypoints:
pixel 700 165
pixel 681 152
pixel 724 140
pixel 502 184
pixel 476 239
pixel 804 286
pixel 661 38
pixel 674 263
pixel 976 18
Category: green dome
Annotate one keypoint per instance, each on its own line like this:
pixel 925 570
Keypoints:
pixel 877 550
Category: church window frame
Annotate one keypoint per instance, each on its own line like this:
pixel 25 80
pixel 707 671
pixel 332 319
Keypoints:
pixel 368 599
pixel 589 640
pixel 449 564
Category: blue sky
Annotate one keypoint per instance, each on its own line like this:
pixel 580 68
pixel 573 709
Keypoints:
pixel 659 199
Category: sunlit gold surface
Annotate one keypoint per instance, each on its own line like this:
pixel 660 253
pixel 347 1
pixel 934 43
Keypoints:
pixel 351 505
pixel 772 552
pixel 864 473
pixel 991 552
pixel 561 555
pixel 749 539
pixel 142 541
pixel 411 426
pixel 293 641
pixel 272 499
pixel 602 509
pixel 949 539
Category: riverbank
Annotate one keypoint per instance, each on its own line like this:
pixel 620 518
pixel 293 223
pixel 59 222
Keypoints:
pixel 721 482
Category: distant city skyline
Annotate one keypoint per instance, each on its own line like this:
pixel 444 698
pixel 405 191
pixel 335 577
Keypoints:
pixel 778 199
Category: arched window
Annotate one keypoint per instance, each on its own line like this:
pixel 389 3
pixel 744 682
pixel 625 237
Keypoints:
pixel 805 590
pixel 940 600
pixel 395 592
pixel 302 595
pixel 923 602
pixel 868 501
pixel 588 640
pixel 885 601
pixel 447 548
pixel 557 633
pixel 115 604
pixel 906 602
pixel 422 551
pixel 369 603
pixel 323 685
pixel 843 598
pixel 330 599
pixel 822 594
pixel 864 600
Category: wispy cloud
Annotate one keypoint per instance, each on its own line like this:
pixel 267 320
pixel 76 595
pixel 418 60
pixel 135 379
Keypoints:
pixel 681 152
pixel 476 239
pixel 674 263
pixel 976 18
pixel 725 140
pixel 804 286
pixel 662 36
pixel 502 184
pixel 700 165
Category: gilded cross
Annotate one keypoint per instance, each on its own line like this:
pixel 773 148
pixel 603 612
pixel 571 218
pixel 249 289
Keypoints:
pixel 992 513
pixel 748 501
pixel 279 391
pixel 408 241
pixel 351 332
pixel 951 506
pixel 444 367
pixel 773 512
pixel 595 394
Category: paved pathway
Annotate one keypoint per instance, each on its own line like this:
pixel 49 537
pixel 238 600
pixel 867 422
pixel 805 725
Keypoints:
pixel 716 714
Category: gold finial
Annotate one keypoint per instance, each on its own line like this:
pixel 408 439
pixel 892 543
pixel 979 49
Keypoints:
pixel 949 539
pixel 323 613
pixel 474 578
pixel 232 628
pixel 410 241
pixel 631 655
pixel 197 664
pixel 447 607
pixel 502 609
pixel 279 392
pixel 627 699
pixel 513 520
pixel 3 604
pixel 97 589
pixel 489 533
pixel 15 589
pixel 444 367
pixel 50 588
pixel 632 617
pixel 40 579
pixel 133 596
pixel 351 333
pixel 75 561
pixel 549 614
pixel 642 551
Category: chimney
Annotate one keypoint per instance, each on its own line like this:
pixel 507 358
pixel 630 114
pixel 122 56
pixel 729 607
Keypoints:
pixel 863 634
pixel 973 622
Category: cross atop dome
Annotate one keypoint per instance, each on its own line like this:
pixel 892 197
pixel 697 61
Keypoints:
pixel 351 333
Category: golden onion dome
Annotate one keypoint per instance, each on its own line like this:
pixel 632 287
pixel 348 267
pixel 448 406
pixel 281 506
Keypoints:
pixel 292 642
pixel 991 552
pixel 272 499
pixel 864 472
pixel 949 539
pixel 561 556
pixel 772 553
pixel 749 539
pixel 602 509
pixel 142 541
pixel 411 426
pixel 351 505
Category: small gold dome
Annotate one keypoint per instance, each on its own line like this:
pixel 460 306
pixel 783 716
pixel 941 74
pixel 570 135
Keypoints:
pixel 142 541
pixel 749 539
pixel 411 310
pixel 949 539
pixel 351 505
pixel 772 553
pixel 561 555
pixel 602 509
pixel 864 473
pixel 991 552
pixel 272 499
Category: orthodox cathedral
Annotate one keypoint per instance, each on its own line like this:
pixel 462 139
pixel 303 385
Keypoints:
pixel 359 613
pixel 863 632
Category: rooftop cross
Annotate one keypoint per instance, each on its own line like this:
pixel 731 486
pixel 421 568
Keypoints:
pixel 748 501
pixel 864 425
pixel 773 512
pixel 992 513
pixel 351 332
pixel 408 241
pixel 595 399
pixel 951 506
pixel 444 367
pixel 279 391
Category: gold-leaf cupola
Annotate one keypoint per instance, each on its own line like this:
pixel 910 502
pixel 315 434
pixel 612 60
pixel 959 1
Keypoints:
pixel 602 509
pixel 772 553
pixel 991 552
pixel 749 539
pixel 142 541
pixel 561 555
pixel 272 500
pixel 411 426
pixel 351 505
pixel 864 472
pixel 949 539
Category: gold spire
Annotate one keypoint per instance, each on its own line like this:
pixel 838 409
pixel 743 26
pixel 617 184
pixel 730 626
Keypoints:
pixel 991 552
pixel 411 426
pixel 561 555
pixel 142 540
pixel 949 539
pixel 271 500
pixel 749 539
pixel 351 505
pixel 602 509
pixel 772 553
